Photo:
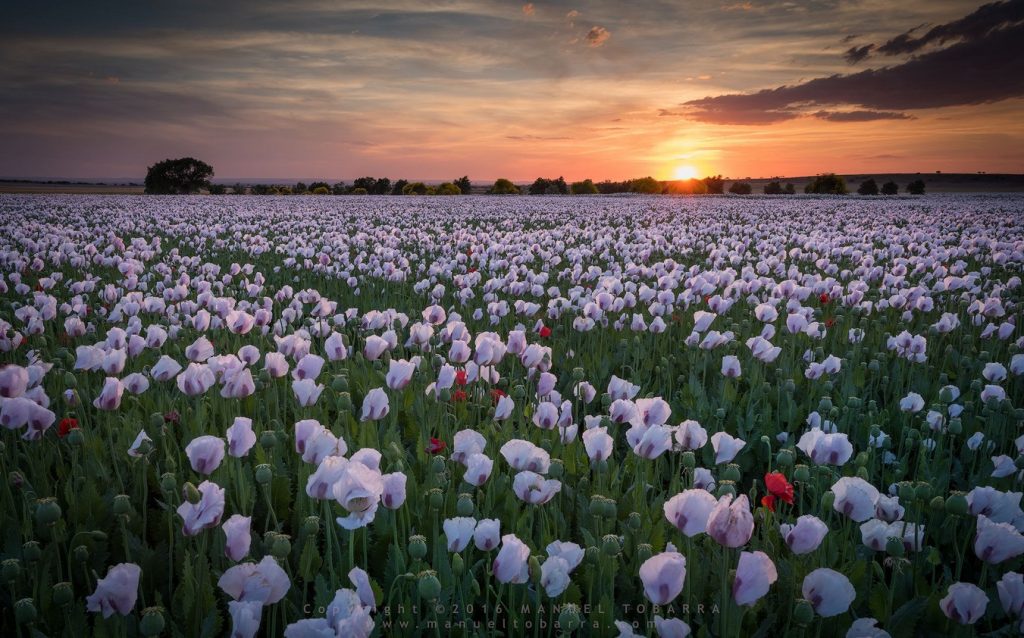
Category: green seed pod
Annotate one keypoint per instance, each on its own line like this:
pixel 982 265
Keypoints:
pixel 592 554
pixel 97 535
pixel 268 440
pixel 726 487
pixel 802 473
pixel 31 552
pixel 569 619
pixel 156 421
pixel 862 459
pixel 340 383
pixel 122 505
pixel 436 498
pixel 10 570
pixel 828 499
pixel 689 460
pixel 633 521
pixel 81 553
pixel 282 547
pixel 518 392
pixel 557 468
pixel 789 386
pixel 956 426
pixel 428 586
pixel 825 404
pixel 907 491
pixel 437 464
pixel 25 611
pixel 345 402
pixel 938 504
pixel 48 512
pixel 264 474
pixel 152 622
pixel 458 565
pixel 168 482
pixel 923 491
pixel 854 403
pixel 191 494
pixel 720 413
pixel 956 504
pixel 70 381
pixel 894 547
pixel 311 526
pixel 732 472
pixel 76 437
pixel 464 506
pixel 417 546
pixel 643 552
pixel 578 374
pixel 63 594
pixel 610 545
pixel 803 612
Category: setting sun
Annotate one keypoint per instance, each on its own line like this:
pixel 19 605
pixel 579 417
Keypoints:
pixel 685 172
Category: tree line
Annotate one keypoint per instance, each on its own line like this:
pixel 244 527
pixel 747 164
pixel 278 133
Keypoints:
pixel 189 175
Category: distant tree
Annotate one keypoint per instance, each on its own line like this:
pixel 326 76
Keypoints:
pixel 740 188
pixel 283 190
pixel 868 187
pixel 773 188
pixel 790 189
pixel 399 187
pixel 339 189
pixel 316 185
pixel 366 183
pixel 414 188
pixel 608 187
pixel 382 186
pixel 560 186
pixel 539 186
pixel 321 190
pixel 503 186
pixel 647 185
pixel 359 191
pixel 217 189
pixel 184 175
pixel 916 187
pixel 447 188
pixel 300 188
pixel 715 184
pixel 238 189
pixel 586 187
pixel 465 186
pixel 827 184
pixel 890 188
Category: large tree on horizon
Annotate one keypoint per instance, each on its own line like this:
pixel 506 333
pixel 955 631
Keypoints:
pixel 178 176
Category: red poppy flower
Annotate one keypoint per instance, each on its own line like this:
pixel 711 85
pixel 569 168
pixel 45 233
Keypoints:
pixel 66 425
pixel 778 486
pixel 497 393
pixel 824 298
pixel 171 417
pixel 436 446
pixel 460 377
pixel 768 501
pixel 471 270
pixel 545 332
pixel 831 321
pixel 707 299
pixel 459 395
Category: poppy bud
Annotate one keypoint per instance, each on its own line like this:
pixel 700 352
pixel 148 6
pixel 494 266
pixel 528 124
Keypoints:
pixel 464 506
pixel 803 612
pixel 429 587
pixel 76 437
pixel 862 472
pixel 97 535
pixel 417 546
pixel 1019 462
pixel 827 499
pixel 445 395
pixel 48 512
pixel 956 504
pixel 894 547
pixel 168 482
pixel 569 618
pixel 31 552
pixel 190 493
pixel 63 594
pixel 606 401
pixel 534 567
pixel 70 381
pixel 24 611
pixel 122 505
pixel 11 570
pixel 264 474
pixel 458 565
pixel 152 621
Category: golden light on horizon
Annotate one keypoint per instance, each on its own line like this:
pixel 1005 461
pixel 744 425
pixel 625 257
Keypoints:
pixel 685 171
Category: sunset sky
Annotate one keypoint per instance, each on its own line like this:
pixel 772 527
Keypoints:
pixel 435 89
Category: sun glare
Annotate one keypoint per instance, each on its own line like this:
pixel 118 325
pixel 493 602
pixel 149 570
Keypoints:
pixel 685 172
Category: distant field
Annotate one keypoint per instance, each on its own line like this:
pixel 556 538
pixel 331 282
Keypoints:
pixel 72 189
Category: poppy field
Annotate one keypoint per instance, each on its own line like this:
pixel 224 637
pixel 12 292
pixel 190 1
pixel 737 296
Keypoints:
pixel 511 416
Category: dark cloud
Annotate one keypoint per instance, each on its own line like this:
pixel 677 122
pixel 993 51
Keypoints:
pixel 983 22
pixel 597 36
pixel 970 72
pixel 850 38
pixel 860 116
pixel 854 55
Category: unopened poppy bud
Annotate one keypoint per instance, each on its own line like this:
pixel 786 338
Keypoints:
pixel 122 505
pixel 264 474
pixel 458 565
pixel 48 512
pixel 474 587
pixel 569 618
pixel 417 546
pixel 156 421
pixel 862 459
pixel 689 460
pixel 534 567
pixel 445 395
pixel 606 401
pixel 956 504
pixel 63 594
pixel 862 473
pixel 429 587
pixel 190 493
pixel 803 612
pixel 894 547
pixel 827 500
pixel 10 570
pixel 97 535
pixel 31 552
pixel 464 506
pixel 25 611
pixel 152 622
pixel 956 426
pixel 70 380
